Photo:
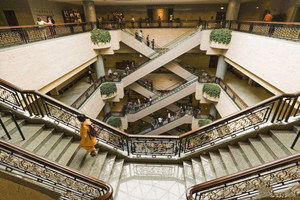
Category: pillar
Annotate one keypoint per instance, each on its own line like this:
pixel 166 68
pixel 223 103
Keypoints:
pixel 221 68
pixel 233 9
pixel 106 108
pixel 213 111
pixel 99 66
pixel 89 10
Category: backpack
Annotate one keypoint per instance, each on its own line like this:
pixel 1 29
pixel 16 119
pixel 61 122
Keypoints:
pixel 93 132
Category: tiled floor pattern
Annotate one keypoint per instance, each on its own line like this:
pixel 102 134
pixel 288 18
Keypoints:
pixel 151 182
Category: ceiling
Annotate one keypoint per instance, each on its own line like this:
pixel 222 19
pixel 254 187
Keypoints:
pixel 149 2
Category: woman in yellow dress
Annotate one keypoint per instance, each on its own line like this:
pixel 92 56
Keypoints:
pixel 87 142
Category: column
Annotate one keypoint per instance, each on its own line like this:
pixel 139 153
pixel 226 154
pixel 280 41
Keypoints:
pixel 213 111
pixel 106 108
pixel 89 10
pixel 221 68
pixel 99 66
pixel 233 9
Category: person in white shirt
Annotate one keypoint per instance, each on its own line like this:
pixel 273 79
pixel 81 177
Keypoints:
pixel 169 117
pixel 160 121
pixel 109 73
pixel 141 35
pixel 43 32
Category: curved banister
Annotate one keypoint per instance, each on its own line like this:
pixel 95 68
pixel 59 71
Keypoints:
pixel 62 169
pixel 243 174
pixel 125 141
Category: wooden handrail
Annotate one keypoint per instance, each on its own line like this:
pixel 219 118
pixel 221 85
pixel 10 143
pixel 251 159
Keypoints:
pixel 60 168
pixel 117 131
pixel 243 174
pixel 263 22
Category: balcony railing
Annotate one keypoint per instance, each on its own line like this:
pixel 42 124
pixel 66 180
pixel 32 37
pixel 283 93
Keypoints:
pixel 275 109
pixel 279 178
pixel 15 35
pixel 69 183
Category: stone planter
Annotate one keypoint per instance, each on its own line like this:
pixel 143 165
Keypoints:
pixel 206 96
pixel 217 45
pixel 105 97
pixel 102 45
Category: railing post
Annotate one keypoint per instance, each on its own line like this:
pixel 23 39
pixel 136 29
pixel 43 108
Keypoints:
pixel 291 109
pixel 296 139
pixel 128 150
pixel 27 106
pixel 37 102
pixel 276 110
pixel 4 128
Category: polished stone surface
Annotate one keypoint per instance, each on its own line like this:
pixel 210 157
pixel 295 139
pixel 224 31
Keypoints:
pixel 151 182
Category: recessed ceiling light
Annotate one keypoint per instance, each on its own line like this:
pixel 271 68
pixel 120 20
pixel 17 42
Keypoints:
pixel 222 8
pixel 141 55
pixel 257 7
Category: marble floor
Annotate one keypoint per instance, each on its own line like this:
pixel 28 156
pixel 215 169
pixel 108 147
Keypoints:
pixel 151 182
pixel 69 96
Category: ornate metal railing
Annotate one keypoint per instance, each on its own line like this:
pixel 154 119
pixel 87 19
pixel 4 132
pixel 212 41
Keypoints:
pixel 69 183
pixel 275 109
pixel 14 35
pixel 13 117
pixel 282 30
pixel 278 179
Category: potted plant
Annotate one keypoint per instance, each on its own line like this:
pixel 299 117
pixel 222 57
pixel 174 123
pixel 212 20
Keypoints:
pixel 101 38
pixel 220 38
pixel 211 91
pixel 203 122
pixel 114 121
pixel 108 90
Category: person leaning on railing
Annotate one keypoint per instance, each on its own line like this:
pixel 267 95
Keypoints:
pixel 88 141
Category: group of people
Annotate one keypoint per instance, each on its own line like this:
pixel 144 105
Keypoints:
pixel 139 37
pixel 49 21
pixel 136 105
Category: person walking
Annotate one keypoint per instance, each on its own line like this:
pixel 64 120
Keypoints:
pixel 87 141
pixel 141 35
pixel 169 117
pixel 268 17
pixel 151 85
pixel 159 21
pixel 132 22
pixel 153 43
pixel 139 103
pixel 148 41
pixel 90 76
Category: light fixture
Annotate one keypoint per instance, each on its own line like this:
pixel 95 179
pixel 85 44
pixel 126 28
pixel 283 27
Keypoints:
pixel 257 7
pixel 222 8
pixel 141 55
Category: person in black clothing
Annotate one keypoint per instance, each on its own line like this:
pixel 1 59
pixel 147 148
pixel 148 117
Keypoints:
pixel 148 41
pixel 151 85
pixel 90 76
pixel 159 21
pixel 150 100
pixel 152 42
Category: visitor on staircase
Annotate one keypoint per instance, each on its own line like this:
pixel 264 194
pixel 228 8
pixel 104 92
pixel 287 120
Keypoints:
pixel 88 141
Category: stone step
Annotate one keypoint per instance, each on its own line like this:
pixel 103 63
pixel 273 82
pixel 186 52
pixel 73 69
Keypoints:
pixel 218 164
pixel 88 163
pixel 250 154
pixel 67 155
pixel 116 173
pixel 11 128
pixel 228 161
pixel 198 171
pixel 188 174
pixel 30 132
pixel 107 168
pixel 98 165
pixel 272 146
pixel 39 140
pixel 49 144
pixel 240 160
pixel 59 149
pixel 78 159
pixel 285 139
pixel 207 167
pixel 260 150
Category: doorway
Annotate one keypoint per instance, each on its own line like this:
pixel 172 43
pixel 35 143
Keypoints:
pixel 11 18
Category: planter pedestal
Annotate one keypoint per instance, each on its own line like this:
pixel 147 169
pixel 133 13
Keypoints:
pixel 206 96
pixel 105 97
pixel 217 45
pixel 102 46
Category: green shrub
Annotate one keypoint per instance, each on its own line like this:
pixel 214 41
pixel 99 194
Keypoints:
pixel 115 122
pixel 222 36
pixel 99 35
pixel 108 88
pixel 212 90
pixel 203 122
